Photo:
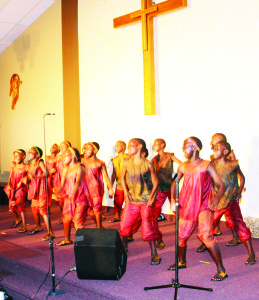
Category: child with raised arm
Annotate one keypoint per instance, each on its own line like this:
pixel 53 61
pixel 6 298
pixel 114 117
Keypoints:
pixel 51 164
pixel 16 189
pixel 57 180
pixel 75 194
pixel 117 163
pixel 196 204
pixel 95 171
pixel 37 191
pixel 139 182
pixel 228 203
pixel 163 163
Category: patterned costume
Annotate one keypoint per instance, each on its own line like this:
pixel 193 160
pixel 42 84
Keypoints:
pixel 95 186
pixel 194 198
pixel 227 205
pixel 37 191
pixel 75 209
pixel 119 193
pixel 164 170
pixel 139 183
pixel 19 190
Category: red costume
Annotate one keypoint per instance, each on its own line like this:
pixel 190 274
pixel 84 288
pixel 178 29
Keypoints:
pixel 194 198
pixel 19 190
pixel 37 191
pixel 75 209
pixel 57 181
pixel 51 178
pixel 95 186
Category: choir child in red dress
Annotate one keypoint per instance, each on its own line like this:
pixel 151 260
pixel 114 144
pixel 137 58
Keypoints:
pixel 37 192
pixel 196 204
pixel 95 171
pixel 73 186
pixel 16 189
pixel 51 164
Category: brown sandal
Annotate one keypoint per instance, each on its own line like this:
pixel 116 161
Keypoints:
pixel 220 276
pixel 251 259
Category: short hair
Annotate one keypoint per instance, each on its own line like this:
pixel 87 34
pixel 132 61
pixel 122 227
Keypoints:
pixel 20 151
pixel 39 151
pixel 123 143
pixel 162 141
pixel 197 141
pixel 96 145
pixel 226 145
pixel 146 153
pixel 77 154
pixel 67 143
pixel 222 136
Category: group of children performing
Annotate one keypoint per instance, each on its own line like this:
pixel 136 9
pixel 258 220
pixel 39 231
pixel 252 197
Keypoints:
pixel 210 189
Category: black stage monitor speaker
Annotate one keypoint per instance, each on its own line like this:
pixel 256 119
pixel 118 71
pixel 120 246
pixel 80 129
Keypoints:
pixel 99 254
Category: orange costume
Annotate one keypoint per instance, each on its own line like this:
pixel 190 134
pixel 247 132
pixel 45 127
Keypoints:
pixel 18 191
pixel 194 198
pixel 51 178
pixel 37 191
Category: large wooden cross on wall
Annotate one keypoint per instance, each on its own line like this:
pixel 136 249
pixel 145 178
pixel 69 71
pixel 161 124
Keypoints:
pixel 145 16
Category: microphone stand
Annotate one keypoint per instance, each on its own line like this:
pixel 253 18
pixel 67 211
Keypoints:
pixel 175 282
pixel 53 292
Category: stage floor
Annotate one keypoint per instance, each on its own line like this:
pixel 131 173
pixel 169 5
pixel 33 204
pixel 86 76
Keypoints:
pixel 24 263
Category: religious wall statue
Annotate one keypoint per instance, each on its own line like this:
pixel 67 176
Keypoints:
pixel 14 89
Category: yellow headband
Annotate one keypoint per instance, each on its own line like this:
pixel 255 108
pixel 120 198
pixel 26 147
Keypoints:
pixel 67 143
pixel 93 145
pixel 192 141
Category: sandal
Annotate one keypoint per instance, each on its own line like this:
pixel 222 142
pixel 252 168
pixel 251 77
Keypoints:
pixel 48 236
pixel 22 230
pixel 155 260
pixel 220 276
pixel 60 221
pixel 16 224
pixel 202 248
pixel 64 243
pixel 160 245
pixel 234 242
pixel 180 266
pixel 35 230
pixel 251 259
pixel 130 238
pixel 218 233
pixel 113 220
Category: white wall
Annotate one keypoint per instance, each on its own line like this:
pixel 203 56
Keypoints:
pixel 37 57
pixel 207 74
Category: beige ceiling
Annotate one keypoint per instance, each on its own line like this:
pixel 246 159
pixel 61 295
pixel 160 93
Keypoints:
pixel 16 16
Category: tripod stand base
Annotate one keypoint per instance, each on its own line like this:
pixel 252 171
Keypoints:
pixel 178 285
pixel 56 293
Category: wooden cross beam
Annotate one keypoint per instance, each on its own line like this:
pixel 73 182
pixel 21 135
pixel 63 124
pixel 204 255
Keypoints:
pixel 145 16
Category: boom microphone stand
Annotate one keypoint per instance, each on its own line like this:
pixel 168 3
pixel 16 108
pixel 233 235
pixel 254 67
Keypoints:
pixel 175 282
pixel 53 292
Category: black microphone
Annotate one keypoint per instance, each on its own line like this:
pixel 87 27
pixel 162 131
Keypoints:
pixel 50 114
pixel 174 176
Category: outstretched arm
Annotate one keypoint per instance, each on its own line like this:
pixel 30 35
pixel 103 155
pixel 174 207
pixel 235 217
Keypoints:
pixel 173 187
pixel 79 176
pixel 107 181
pixel 241 178
pixel 175 159
pixel 127 195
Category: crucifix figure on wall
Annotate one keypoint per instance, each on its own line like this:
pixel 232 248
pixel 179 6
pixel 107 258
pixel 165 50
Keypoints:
pixel 145 16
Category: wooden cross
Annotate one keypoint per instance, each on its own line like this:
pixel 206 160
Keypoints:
pixel 145 16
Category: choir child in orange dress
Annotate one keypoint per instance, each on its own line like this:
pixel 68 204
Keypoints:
pixel 51 164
